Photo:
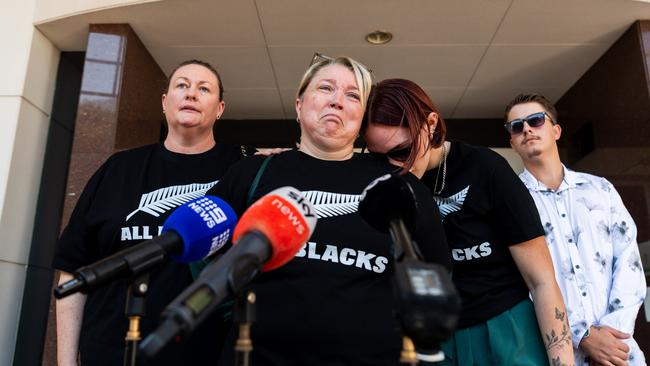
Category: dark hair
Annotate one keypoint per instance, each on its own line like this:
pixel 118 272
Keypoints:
pixel 401 102
pixel 533 98
pixel 200 63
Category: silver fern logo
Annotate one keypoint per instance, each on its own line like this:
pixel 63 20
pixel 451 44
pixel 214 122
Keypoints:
pixel 452 203
pixel 330 204
pixel 164 199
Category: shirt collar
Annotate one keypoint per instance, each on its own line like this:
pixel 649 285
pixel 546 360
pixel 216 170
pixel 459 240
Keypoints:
pixel 570 180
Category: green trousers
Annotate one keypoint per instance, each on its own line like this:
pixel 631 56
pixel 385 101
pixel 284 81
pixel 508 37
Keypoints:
pixel 508 339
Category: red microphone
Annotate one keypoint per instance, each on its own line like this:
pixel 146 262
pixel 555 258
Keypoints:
pixel 285 218
pixel 268 234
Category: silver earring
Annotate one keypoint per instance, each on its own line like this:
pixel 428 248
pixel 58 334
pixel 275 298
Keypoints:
pixel 298 119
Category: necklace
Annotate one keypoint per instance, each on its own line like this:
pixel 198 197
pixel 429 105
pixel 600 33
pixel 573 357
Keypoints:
pixel 443 167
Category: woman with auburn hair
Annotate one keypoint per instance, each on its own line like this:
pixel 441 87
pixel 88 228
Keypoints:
pixel 333 303
pixel 493 230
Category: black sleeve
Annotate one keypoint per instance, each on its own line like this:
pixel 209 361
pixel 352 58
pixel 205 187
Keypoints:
pixel 248 150
pixel 430 234
pixel 234 185
pixel 74 248
pixel 515 211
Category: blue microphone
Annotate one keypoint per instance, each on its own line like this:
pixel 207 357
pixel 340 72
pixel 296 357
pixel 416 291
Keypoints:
pixel 204 225
pixel 193 231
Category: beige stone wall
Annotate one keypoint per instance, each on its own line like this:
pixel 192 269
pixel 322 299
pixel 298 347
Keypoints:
pixel 28 72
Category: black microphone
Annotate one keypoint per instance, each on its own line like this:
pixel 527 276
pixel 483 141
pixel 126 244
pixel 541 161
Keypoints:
pixel 193 231
pixel 267 236
pixel 429 302
pixel 388 204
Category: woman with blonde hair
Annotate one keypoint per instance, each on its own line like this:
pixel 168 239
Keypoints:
pixel 333 303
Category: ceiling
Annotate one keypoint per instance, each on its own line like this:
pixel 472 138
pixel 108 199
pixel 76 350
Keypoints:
pixel 471 56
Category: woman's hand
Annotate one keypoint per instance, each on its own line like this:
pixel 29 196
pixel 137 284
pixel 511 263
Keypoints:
pixel 267 152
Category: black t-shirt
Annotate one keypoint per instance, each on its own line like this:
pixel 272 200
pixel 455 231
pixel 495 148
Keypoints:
pixel 333 303
pixel 125 202
pixel 485 208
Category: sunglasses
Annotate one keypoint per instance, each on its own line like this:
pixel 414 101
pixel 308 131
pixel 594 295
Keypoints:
pixel 516 126
pixel 318 57
pixel 400 154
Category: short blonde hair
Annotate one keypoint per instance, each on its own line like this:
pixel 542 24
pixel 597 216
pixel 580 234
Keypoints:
pixel 362 75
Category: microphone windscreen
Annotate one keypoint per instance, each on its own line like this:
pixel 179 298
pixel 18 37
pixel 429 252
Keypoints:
pixel 205 225
pixel 287 220
pixel 388 197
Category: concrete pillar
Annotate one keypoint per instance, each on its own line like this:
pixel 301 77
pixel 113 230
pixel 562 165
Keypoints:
pixel 115 105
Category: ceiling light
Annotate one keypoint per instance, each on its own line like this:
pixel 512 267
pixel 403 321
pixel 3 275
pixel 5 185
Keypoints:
pixel 379 37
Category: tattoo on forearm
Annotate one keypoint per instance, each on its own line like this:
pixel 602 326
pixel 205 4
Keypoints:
pixel 556 362
pixel 554 339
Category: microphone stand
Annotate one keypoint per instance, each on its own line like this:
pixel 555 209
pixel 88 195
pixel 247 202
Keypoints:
pixel 135 309
pixel 400 236
pixel 407 257
pixel 244 316
pixel 428 302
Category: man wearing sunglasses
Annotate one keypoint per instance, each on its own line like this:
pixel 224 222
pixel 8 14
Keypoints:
pixel 591 236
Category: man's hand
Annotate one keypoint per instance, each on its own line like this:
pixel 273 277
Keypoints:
pixel 605 346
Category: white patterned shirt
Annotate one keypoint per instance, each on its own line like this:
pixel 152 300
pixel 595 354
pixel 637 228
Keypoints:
pixel 592 240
